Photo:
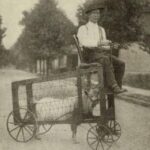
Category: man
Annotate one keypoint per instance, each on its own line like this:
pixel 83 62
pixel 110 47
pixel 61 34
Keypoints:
pixel 95 45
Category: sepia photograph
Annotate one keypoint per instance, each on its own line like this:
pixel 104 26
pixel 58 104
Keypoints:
pixel 75 74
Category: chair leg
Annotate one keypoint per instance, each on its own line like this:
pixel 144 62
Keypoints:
pixel 88 81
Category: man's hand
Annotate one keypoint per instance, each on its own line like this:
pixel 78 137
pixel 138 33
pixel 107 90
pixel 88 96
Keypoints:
pixel 116 45
pixel 107 47
pixel 104 43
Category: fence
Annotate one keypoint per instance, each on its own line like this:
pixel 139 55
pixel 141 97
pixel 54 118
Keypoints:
pixel 45 66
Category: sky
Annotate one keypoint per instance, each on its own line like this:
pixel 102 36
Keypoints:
pixel 11 12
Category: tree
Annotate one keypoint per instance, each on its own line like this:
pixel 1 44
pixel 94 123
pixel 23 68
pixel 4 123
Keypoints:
pixel 120 19
pixel 46 31
pixel 4 54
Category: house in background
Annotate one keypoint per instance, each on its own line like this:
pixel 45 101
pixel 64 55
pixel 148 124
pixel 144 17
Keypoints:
pixel 63 62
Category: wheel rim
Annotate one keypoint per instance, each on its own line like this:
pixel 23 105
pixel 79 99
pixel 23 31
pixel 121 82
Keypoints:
pixel 44 128
pixel 115 128
pixel 24 128
pixel 99 137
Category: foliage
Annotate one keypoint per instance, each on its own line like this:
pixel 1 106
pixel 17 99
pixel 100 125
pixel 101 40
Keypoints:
pixel 46 32
pixel 146 43
pixel 138 80
pixel 120 19
pixel 2 33
pixel 4 54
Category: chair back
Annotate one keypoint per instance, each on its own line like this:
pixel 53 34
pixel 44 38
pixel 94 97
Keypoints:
pixel 78 48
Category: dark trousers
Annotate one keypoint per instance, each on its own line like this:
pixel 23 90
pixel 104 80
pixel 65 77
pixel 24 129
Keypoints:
pixel 114 68
pixel 119 69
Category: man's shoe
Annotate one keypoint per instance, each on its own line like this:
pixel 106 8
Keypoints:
pixel 118 90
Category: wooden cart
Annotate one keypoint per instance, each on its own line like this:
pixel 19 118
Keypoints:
pixel 23 121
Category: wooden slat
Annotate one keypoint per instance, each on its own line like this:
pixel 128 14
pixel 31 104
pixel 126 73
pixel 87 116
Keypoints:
pixel 93 119
pixel 64 75
pixel 29 92
pixel 78 47
pixel 15 101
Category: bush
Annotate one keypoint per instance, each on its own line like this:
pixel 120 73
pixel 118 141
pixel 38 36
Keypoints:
pixel 138 80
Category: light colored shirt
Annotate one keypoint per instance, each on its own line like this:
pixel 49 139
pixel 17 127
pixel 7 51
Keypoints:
pixel 91 35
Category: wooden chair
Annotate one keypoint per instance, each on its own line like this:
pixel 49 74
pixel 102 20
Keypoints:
pixel 82 64
pixel 110 100
pixel 80 50
pixel 85 65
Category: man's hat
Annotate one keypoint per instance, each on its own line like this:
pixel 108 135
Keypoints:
pixel 94 6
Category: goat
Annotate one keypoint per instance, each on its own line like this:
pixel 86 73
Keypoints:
pixel 51 109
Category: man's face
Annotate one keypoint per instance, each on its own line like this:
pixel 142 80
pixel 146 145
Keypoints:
pixel 94 15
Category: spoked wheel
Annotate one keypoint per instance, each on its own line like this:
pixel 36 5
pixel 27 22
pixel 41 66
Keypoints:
pixel 21 125
pixel 115 128
pixel 99 137
pixel 44 128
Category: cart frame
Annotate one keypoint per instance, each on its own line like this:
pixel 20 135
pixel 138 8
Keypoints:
pixel 105 122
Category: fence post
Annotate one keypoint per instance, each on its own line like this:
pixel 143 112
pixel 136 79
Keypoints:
pixel 47 66
pixel 40 66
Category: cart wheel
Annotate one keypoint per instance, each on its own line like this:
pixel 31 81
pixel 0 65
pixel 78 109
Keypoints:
pixel 21 125
pixel 115 128
pixel 99 137
pixel 44 128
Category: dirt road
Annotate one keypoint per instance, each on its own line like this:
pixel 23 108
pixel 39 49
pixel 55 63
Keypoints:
pixel 134 121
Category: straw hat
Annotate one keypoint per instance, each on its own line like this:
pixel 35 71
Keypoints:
pixel 94 6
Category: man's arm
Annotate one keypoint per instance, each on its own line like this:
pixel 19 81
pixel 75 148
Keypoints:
pixel 104 43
